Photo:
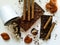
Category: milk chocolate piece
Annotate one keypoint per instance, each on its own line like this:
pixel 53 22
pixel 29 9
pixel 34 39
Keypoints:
pixel 38 11
pixel 44 32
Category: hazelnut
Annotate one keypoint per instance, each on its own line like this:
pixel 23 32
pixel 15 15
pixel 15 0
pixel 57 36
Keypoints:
pixel 27 39
pixel 5 36
pixel 51 7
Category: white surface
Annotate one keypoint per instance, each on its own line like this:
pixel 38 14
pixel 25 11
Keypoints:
pixel 18 8
pixel 7 13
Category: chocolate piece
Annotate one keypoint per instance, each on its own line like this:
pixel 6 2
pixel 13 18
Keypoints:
pixel 38 11
pixel 43 32
pixel 16 28
pixel 34 31
pixel 5 36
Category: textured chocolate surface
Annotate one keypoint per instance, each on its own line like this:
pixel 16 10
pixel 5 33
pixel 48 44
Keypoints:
pixel 43 32
pixel 38 11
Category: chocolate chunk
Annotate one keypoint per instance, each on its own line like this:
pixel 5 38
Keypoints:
pixel 38 11
pixel 43 32
pixel 34 31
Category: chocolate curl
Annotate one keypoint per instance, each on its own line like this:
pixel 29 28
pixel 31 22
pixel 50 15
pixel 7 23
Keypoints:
pixel 53 24
pixel 28 10
pixel 24 10
pixel 32 9
pixel 47 22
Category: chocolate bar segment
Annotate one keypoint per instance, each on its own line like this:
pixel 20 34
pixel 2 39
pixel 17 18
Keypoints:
pixel 44 32
pixel 38 11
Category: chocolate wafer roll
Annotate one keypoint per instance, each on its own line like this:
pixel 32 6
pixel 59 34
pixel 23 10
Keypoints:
pixel 24 10
pixel 32 9
pixel 28 10
pixel 47 22
pixel 47 36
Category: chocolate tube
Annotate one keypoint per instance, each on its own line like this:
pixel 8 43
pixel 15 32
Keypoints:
pixel 47 36
pixel 28 10
pixel 24 10
pixel 32 9
pixel 47 22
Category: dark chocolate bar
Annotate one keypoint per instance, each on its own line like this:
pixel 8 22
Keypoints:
pixel 43 32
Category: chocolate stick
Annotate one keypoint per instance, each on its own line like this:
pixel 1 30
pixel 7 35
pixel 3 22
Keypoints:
pixel 53 24
pixel 32 9
pixel 28 10
pixel 24 10
pixel 47 22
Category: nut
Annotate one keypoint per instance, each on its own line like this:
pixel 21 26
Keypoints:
pixel 51 6
pixel 27 39
pixel 5 36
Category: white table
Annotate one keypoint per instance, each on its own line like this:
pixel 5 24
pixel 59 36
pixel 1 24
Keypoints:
pixel 55 35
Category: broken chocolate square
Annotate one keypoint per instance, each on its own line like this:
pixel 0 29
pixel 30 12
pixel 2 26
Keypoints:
pixel 44 32
pixel 38 11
